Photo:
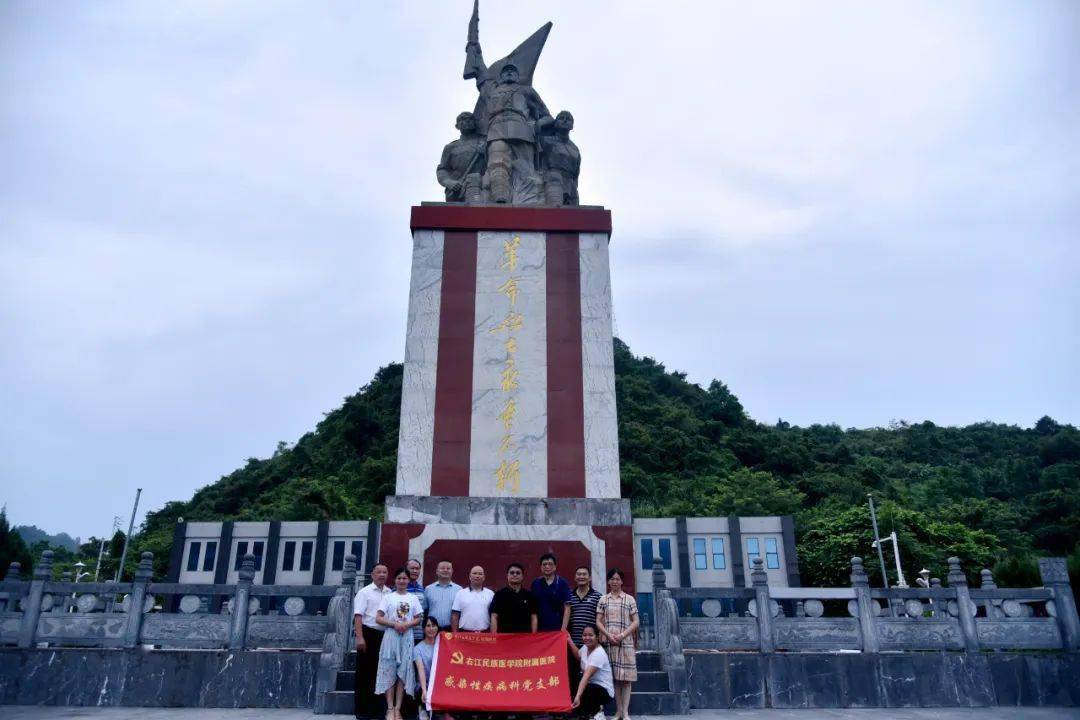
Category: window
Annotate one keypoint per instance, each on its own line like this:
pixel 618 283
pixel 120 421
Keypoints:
pixel 664 545
pixel 339 555
pixel 305 556
pixel 242 550
pixel 193 556
pixel 772 557
pixel 210 557
pixel 357 551
pixel 288 558
pixel 701 561
pixel 753 550
pixel 719 562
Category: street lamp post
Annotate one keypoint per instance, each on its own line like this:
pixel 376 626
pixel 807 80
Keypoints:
pixel 900 582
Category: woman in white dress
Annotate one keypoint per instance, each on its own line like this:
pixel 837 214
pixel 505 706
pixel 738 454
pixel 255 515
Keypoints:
pixel 400 612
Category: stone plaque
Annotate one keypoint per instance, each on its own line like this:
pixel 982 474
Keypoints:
pixel 853 608
pixel 914 608
pixel 711 608
pixel 190 604
pixel 253 605
pixel 294 606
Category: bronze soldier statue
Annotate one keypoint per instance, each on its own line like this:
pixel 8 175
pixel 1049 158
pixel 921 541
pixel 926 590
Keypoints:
pixel 462 164
pixel 510 114
pixel 561 161
pixel 514 113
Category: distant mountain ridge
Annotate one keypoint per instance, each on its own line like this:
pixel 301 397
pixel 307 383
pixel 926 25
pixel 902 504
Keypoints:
pixel 994 495
pixel 32 534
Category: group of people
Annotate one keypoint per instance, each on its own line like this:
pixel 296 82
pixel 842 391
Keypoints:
pixel 396 628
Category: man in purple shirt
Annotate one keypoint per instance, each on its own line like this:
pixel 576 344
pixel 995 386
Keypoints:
pixel 552 596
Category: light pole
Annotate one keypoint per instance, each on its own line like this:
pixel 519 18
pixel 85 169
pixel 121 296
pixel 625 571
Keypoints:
pixel 900 582
pixel 127 538
pixel 101 546
pixel 877 543
pixel 79 574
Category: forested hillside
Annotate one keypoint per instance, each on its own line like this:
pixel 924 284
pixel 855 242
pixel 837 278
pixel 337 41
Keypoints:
pixel 995 495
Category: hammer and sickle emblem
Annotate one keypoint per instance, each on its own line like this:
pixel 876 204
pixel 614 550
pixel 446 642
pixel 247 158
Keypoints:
pixel 456 658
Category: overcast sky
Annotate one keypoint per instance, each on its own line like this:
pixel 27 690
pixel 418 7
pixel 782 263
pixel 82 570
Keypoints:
pixel 848 212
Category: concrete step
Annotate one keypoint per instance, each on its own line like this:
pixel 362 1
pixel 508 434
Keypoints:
pixel 346 680
pixel 655 703
pixel 651 681
pixel 648 661
pixel 340 702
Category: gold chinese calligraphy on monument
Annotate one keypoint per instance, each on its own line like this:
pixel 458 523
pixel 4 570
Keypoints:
pixel 508 474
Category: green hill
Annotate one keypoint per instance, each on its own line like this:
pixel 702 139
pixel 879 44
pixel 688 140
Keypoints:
pixel 995 495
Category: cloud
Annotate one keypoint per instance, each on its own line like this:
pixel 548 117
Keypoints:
pixel 847 212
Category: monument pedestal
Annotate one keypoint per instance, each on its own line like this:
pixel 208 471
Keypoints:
pixel 508 445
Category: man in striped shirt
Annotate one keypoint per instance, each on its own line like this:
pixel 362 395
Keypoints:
pixel 583 602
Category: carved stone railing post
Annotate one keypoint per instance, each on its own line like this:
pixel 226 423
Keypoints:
pixel 1055 576
pixel 338 638
pixel 666 624
pixel 144 573
pixel 32 603
pixel 238 631
pixel 10 600
pixel 965 608
pixel 860 583
pixel 991 606
pixel 760 580
pixel 939 607
pixel 348 585
pixel 661 624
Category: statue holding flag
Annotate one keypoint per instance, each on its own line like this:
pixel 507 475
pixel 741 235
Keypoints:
pixel 514 122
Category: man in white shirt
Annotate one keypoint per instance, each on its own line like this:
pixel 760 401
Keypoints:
pixel 471 611
pixel 369 635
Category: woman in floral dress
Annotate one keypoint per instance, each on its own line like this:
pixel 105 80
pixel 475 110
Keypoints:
pixel 399 613
pixel 617 618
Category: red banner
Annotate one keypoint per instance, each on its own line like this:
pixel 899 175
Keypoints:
pixel 507 672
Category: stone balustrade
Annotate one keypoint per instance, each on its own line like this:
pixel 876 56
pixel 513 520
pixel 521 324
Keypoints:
pixel 862 619
pixel 44 612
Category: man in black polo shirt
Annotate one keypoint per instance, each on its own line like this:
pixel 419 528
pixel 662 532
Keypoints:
pixel 513 610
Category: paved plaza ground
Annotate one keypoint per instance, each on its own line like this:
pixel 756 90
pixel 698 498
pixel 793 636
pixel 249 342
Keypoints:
pixel 24 712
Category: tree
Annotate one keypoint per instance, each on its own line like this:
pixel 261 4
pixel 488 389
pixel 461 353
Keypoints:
pixel 12 548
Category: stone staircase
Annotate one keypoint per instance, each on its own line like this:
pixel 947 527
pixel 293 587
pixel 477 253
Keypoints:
pixel 652 696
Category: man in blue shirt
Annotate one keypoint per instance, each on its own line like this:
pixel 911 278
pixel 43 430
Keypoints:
pixel 416 588
pixel 441 593
pixel 552 596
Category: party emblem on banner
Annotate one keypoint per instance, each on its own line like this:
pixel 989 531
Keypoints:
pixel 505 672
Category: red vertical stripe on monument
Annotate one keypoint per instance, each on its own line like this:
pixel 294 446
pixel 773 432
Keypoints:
pixel 565 380
pixel 453 374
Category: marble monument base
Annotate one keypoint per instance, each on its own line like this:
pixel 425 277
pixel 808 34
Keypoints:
pixel 495 531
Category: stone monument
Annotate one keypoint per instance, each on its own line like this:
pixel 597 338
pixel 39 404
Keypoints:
pixel 508 445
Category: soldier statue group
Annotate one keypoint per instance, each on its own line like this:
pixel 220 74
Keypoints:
pixel 510 150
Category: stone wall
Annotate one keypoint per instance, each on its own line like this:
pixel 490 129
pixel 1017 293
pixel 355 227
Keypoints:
pixel 854 680
pixel 157 678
